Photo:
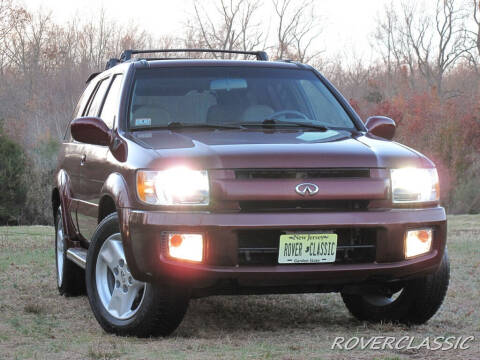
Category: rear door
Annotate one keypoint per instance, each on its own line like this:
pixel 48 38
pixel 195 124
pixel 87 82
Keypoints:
pixel 72 155
pixel 95 168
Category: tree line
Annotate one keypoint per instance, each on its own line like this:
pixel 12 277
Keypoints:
pixel 426 77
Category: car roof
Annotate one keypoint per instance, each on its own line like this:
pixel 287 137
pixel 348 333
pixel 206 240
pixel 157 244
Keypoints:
pixel 126 60
pixel 215 62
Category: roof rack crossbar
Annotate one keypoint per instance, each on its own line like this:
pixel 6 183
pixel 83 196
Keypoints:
pixel 127 54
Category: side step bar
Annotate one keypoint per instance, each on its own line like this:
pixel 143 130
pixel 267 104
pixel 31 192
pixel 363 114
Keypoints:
pixel 78 256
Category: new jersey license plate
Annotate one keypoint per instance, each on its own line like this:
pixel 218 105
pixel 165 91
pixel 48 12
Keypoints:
pixel 298 248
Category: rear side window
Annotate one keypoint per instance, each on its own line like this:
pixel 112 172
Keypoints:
pixel 81 104
pixel 96 101
pixel 84 99
pixel 110 107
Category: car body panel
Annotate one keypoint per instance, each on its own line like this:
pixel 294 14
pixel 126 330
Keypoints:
pixel 234 149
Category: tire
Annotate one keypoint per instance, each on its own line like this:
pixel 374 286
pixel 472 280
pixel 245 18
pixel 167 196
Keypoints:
pixel 418 301
pixel 121 304
pixel 70 277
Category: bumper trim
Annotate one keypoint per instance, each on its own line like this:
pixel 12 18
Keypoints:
pixel 290 220
pixel 142 245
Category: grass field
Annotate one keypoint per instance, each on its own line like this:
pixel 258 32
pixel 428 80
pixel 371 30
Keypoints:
pixel 37 323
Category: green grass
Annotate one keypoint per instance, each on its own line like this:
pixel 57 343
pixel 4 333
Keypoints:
pixel 37 323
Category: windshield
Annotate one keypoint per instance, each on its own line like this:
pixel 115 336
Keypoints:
pixel 203 96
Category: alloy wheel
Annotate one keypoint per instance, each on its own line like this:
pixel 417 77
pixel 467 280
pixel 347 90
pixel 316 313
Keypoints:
pixel 120 294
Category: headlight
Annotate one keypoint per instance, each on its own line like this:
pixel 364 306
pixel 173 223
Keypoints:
pixel 412 185
pixel 176 186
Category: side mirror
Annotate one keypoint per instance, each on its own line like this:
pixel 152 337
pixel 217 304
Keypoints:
pixel 381 126
pixel 91 130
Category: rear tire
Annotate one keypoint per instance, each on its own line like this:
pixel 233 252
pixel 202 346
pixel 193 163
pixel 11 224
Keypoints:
pixel 418 301
pixel 70 277
pixel 121 304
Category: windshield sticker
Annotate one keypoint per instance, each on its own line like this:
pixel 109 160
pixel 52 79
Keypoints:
pixel 143 122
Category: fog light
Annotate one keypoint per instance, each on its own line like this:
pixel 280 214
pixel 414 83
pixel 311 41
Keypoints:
pixel 186 246
pixel 418 242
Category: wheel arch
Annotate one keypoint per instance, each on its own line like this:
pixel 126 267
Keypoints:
pixel 106 206
pixel 62 196
pixel 114 189
pixel 115 192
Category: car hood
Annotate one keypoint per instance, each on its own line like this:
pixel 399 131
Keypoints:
pixel 273 148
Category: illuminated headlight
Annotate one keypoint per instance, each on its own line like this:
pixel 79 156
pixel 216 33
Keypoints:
pixel 176 186
pixel 412 185
pixel 186 246
pixel 418 242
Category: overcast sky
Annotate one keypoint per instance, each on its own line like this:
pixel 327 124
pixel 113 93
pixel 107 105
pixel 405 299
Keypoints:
pixel 348 23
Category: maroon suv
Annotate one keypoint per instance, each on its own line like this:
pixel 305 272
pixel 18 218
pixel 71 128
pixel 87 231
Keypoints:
pixel 183 178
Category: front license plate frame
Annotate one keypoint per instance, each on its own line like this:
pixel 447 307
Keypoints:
pixel 307 248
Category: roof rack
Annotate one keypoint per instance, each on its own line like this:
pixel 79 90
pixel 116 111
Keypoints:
pixel 127 54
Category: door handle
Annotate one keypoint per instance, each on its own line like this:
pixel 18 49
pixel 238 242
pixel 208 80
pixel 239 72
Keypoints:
pixel 82 161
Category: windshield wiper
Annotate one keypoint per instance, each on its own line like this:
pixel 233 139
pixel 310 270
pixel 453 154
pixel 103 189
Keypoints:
pixel 180 125
pixel 274 122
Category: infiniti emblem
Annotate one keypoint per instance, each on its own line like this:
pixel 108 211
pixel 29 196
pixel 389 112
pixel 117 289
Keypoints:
pixel 306 189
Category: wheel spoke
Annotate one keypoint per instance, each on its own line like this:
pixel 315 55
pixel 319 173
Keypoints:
pixel 119 303
pixel 133 292
pixel 112 253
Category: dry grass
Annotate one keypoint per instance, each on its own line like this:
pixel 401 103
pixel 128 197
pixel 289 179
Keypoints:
pixel 36 323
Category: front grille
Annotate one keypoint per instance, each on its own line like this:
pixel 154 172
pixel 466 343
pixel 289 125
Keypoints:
pixel 260 247
pixel 299 205
pixel 246 174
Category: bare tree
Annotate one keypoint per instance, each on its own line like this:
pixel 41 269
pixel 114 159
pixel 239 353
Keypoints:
pixel 297 28
pixel 429 45
pixel 476 17
pixel 395 48
pixel 10 15
pixel 233 26
pixel 473 55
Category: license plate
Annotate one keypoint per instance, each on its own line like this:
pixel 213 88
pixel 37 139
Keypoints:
pixel 307 248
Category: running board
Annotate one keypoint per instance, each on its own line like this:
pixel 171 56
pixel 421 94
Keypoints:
pixel 78 256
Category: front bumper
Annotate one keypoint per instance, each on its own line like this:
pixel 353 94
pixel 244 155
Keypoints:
pixel 147 261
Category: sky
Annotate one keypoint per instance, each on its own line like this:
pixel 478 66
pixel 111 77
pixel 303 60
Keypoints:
pixel 348 23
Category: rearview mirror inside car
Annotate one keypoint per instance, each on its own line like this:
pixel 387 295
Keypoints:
pixel 228 84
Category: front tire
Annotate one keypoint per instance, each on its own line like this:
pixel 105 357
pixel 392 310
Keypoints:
pixel 70 277
pixel 417 301
pixel 121 304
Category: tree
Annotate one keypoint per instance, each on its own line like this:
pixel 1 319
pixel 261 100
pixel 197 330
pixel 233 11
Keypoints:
pixel 12 184
pixel 431 45
pixel 297 28
pixel 234 26
pixel 473 55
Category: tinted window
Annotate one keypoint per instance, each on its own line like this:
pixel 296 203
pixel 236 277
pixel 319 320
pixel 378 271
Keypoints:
pixel 110 107
pixel 97 100
pixel 232 95
pixel 79 109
